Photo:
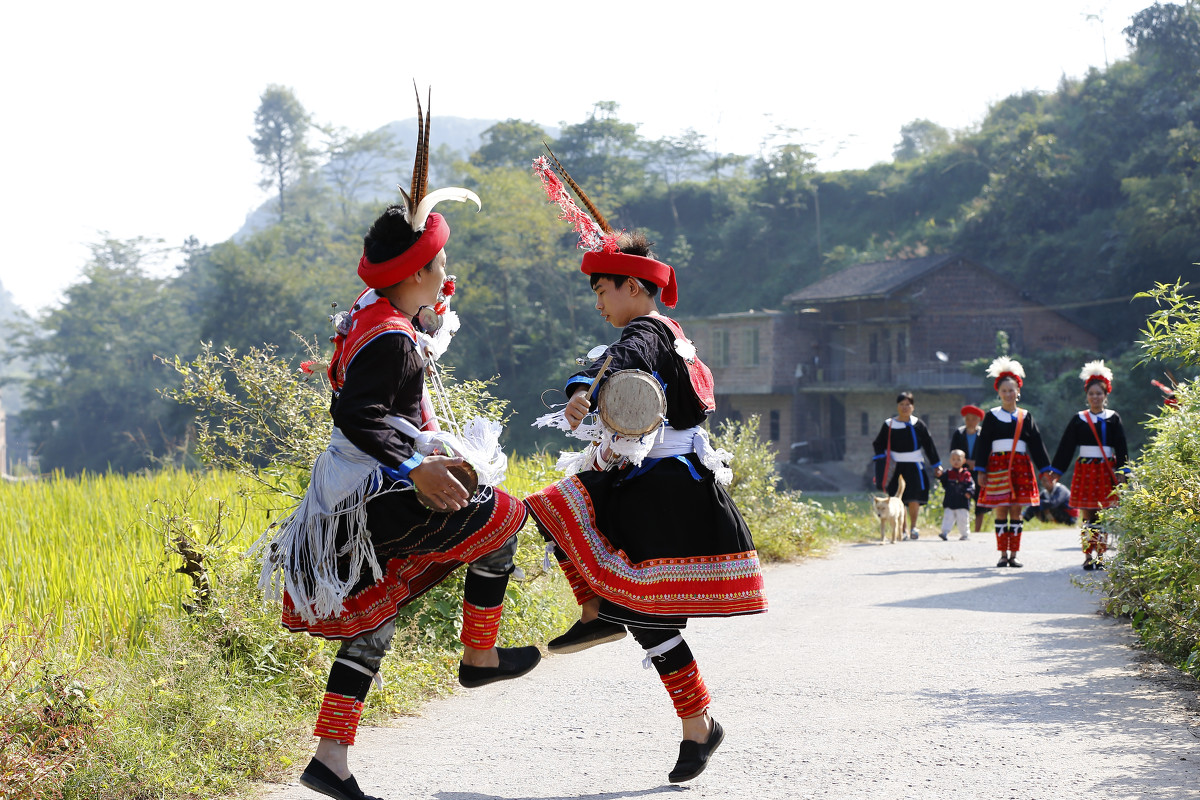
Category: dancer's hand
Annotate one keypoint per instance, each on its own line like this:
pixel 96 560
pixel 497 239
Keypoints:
pixel 432 478
pixel 577 407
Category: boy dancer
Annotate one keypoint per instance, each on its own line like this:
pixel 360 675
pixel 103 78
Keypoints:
pixel 648 546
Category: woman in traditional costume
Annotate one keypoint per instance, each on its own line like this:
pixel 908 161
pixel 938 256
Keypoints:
pixel 903 446
pixel 1007 450
pixel 651 540
pixel 1099 437
pixel 361 545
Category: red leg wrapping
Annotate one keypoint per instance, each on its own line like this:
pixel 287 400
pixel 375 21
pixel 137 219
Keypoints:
pixel 338 718
pixel 579 586
pixel 481 626
pixel 1001 536
pixel 1014 538
pixel 687 690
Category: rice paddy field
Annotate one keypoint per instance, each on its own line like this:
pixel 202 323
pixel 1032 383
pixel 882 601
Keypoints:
pixel 92 553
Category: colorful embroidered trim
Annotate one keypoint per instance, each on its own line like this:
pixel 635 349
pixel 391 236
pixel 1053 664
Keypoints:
pixel 687 690
pixel 481 626
pixel 579 586
pixel 406 579
pixel 338 718
pixel 722 585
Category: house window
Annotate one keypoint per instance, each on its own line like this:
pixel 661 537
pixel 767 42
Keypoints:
pixel 874 352
pixel 901 347
pixel 750 347
pixel 866 424
pixel 774 429
pixel 720 348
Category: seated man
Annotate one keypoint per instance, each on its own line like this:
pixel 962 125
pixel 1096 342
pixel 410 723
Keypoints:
pixel 1055 506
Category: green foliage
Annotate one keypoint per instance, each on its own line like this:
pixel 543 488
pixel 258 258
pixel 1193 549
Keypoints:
pixel 784 526
pixel 92 397
pixel 1155 576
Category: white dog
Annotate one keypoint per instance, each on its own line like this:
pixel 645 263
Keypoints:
pixel 890 511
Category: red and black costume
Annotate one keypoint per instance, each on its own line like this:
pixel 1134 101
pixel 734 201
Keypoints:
pixel 1102 456
pixel 660 541
pixel 1103 453
pixel 1008 470
pixel 360 546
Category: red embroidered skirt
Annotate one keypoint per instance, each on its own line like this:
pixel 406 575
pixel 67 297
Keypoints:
pixel 1017 487
pixel 1092 484
pixel 417 549
pixel 657 548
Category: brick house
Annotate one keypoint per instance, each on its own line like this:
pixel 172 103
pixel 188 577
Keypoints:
pixel 824 373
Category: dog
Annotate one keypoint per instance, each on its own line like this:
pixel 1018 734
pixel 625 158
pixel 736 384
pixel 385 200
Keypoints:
pixel 890 512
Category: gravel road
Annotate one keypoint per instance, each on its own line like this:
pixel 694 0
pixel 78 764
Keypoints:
pixel 914 670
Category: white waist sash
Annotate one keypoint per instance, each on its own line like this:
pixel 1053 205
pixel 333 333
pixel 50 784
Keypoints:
pixel 911 456
pixel 1005 445
pixel 670 442
pixel 1094 451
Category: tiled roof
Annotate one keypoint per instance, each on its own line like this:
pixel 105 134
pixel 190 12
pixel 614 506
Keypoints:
pixel 878 279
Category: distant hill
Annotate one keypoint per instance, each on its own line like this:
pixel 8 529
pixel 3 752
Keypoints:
pixel 451 138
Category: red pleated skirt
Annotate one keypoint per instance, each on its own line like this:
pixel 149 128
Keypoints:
pixel 1092 484
pixel 1005 487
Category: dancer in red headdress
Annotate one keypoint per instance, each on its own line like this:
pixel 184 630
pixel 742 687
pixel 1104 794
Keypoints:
pixel 1099 437
pixel 1008 448
pixel 648 541
pixel 361 545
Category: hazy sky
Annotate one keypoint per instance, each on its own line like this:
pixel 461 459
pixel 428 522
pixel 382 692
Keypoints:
pixel 133 118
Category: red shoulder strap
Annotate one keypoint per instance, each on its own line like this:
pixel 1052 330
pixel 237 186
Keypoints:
pixel 1087 416
pixel 699 374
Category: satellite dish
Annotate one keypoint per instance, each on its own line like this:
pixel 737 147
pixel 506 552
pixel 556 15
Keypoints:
pixel 942 356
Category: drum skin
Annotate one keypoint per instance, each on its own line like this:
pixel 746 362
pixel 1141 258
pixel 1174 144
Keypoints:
pixel 632 403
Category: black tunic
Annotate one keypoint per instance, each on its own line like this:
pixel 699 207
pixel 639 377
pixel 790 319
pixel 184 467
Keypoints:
pixel 907 438
pixel 1079 433
pixel 642 517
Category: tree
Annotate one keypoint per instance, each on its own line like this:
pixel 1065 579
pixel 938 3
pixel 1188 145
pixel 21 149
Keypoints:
pixel 280 141
pixel 601 152
pixel 357 160
pixel 1168 36
pixel 675 159
pixel 920 138
pixel 512 143
pixel 94 399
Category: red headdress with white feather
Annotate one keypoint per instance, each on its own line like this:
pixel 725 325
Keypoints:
pixel 1005 367
pixel 1096 372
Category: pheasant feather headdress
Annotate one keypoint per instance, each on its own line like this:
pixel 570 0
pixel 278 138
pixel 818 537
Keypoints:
pixel 596 236
pixel 1005 367
pixel 408 236
pixel 1096 372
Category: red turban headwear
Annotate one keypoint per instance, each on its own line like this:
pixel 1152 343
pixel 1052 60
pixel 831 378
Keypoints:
pixel 976 410
pixel 658 273
pixel 421 252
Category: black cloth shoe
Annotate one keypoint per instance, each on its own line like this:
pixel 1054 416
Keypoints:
pixel 321 779
pixel 693 756
pixel 1089 564
pixel 583 635
pixel 1003 562
pixel 1012 562
pixel 514 662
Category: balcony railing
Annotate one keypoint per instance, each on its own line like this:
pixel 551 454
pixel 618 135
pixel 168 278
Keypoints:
pixel 914 375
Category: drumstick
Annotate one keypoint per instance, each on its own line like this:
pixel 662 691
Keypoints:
pixel 595 380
